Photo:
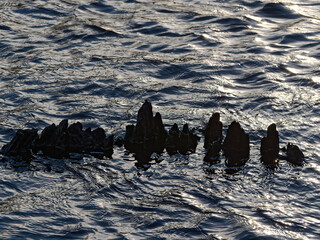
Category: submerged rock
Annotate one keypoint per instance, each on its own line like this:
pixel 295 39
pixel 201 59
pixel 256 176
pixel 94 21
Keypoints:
pixel 236 146
pixel 21 144
pixel 294 155
pixel 147 136
pixel 270 147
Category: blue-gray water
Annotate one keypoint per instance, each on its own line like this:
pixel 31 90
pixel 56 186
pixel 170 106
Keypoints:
pixel 96 61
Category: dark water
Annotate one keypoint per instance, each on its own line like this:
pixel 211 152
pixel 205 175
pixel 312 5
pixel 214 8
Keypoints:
pixel 97 61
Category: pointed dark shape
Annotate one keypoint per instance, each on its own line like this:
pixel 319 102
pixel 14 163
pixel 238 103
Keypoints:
pixel 107 147
pixel 88 130
pixel 173 140
pixel 59 141
pixel 145 123
pixel 188 140
pixel 129 139
pixel 270 147
pixel 75 128
pixel 76 138
pixel 184 139
pixel 294 155
pixel 148 135
pixel 236 146
pixel 95 141
pixel 213 131
pixel 21 144
pixel 160 134
pixel 98 135
pixel 54 140
pixel 270 144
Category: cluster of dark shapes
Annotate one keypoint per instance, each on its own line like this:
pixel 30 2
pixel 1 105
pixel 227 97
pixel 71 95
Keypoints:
pixel 147 137
pixel 236 146
pixel 59 141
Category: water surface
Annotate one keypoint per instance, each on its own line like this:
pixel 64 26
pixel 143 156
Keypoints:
pixel 96 62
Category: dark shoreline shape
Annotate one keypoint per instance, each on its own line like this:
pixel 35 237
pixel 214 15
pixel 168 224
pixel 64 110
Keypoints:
pixel 269 147
pixel 147 136
pixel 294 155
pixel 236 146
pixel 213 138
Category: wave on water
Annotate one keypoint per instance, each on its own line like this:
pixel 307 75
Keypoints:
pixel 96 61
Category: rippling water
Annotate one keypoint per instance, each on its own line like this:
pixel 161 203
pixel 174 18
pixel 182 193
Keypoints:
pixel 96 61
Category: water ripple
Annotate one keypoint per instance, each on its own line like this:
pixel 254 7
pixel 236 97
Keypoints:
pixel 96 61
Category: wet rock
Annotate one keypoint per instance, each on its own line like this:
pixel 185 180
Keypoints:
pixel 182 142
pixel 213 139
pixel 96 142
pixel 119 141
pixel 270 143
pixel 160 134
pixel 53 141
pixel 188 140
pixel 213 153
pixel 270 147
pixel 147 136
pixel 173 140
pixel 236 146
pixel 294 155
pixel 76 138
pixel 213 131
pixel 21 144
pixel 59 141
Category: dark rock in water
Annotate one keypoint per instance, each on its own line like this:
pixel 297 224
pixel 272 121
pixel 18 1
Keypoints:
pixel 53 141
pixel 270 147
pixel 182 142
pixel 270 144
pixel 59 141
pixel 21 144
pixel 213 139
pixel 129 138
pixel 213 131
pixel 173 140
pixel 98 142
pixel 119 141
pixel 236 146
pixel 148 135
pixel 160 134
pixel 188 140
pixel 294 155
pixel 76 137
pixel 212 154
